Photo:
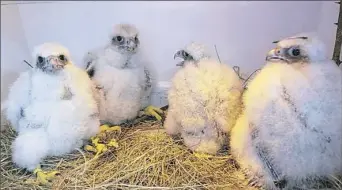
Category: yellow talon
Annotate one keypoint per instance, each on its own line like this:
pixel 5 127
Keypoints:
pixel 99 148
pixel 115 128
pixel 154 111
pixel 90 148
pixel 95 140
pixel 202 155
pixel 113 143
pixel 44 178
pixel 106 128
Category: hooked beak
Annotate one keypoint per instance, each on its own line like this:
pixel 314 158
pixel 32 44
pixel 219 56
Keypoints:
pixel 275 55
pixel 131 46
pixel 179 54
pixel 55 62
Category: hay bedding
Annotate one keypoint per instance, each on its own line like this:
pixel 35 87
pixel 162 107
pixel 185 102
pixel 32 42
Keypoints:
pixel 147 158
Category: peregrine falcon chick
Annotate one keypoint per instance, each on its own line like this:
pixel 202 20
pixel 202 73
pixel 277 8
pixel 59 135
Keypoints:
pixel 124 85
pixel 289 134
pixel 52 108
pixel 204 100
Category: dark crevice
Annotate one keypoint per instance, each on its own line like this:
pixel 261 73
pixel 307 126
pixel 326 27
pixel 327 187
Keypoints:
pixel 263 153
pixel 148 80
pixel 22 113
pixel 301 117
pixel 67 95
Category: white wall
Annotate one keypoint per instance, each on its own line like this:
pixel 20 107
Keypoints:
pixel 242 31
pixel 14 47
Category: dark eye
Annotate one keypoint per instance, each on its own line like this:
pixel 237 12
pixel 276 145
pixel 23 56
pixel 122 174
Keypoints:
pixel 40 59
pixel 119 38
pixel 136 38
pixel 294 52
pixel 190 133
pixel 62 58
pixel 185 54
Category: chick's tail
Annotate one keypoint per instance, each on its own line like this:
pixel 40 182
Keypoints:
pixel 30 148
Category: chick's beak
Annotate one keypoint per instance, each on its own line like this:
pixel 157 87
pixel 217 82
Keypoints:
pixel 178 54
pixel 130 48
pixel 275 54
pixel 270 54
pixel 131 45
pixel 53 60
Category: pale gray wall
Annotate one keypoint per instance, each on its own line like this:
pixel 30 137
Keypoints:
pixel 242 31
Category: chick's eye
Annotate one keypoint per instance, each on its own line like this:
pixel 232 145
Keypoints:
pixel 62 57
pixel 185 54
pixel 40 59
pixel 136 38
pixel 118 38
pixel 294 52
pixel 190 133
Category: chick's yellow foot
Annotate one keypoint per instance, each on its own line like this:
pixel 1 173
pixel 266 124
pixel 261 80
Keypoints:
pixel 96 147
pixel 90 148
pixel 154 111
pixel 106 128
pixel 45 178
pixel 113 143
pixel 99 148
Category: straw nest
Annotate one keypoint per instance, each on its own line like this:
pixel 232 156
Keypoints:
pixel 147 158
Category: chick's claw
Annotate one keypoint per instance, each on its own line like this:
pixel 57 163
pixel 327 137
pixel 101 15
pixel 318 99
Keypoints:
pixel 154 111
pixel 99 148
pixel 114 128
pixel 113 143
pixel 106 128
pixel 45 178
pixel 90 148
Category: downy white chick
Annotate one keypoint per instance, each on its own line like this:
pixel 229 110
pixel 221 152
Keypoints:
pixel 52 108
pixel 124 85
pixel 204 100
pixel 290 131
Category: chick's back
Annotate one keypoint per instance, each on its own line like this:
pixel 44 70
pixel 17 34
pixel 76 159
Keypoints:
pixel 206 90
